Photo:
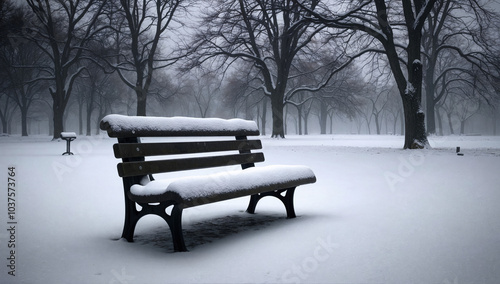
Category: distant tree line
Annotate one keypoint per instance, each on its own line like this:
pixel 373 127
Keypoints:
pixel 414 67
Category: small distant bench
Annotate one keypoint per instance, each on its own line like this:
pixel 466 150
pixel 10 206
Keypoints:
pixel 68 136
pixel 155 196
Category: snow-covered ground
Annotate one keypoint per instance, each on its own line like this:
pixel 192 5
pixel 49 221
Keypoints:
pixel 377 214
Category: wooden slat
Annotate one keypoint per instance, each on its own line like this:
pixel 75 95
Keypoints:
pixel 162 166
pixel 130 150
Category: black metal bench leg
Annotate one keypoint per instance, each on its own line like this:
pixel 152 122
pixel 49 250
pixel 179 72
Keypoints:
pixel 131 218
pixel 287 200
pixel 174 221
pixel 176 229
pixel 253 203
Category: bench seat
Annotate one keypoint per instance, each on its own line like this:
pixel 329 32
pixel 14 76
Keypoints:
pixel 196 190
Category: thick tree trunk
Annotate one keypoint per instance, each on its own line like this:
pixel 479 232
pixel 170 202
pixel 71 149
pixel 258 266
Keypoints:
pixel 415 136
pixel 24 121
pixel 58 108
pixel 299 119
pixel 58 121
pixel 430 86
pixel 141 103
pixel 377 124
pixel 277 106
pixel 450 124
pixel 4 126
pixel 439 121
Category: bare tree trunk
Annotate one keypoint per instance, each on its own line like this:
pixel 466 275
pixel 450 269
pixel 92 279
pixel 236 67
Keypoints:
pixel 450 124
pixel 277 106
pixel 58 122
pixel 323 117
pixel 306 118
pixel 24 121
pixel 440 121
pixel 377 123
pixel 141 102
pixel 330 115
pixel 299 119
pixel 430 104
pixel 4 126
pixel 264 116
pixel 80 117
pixel 90 106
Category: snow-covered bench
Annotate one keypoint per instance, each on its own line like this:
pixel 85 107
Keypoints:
pixel 155 196
pixel 68 136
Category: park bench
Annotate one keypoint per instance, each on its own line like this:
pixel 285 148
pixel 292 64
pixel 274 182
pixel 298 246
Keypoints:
pixel 205 143
pixel 68 136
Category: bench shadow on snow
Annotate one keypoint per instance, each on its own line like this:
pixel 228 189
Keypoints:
pixel 199 233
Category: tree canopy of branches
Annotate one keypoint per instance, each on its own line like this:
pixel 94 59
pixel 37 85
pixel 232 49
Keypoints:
pixel 269 35
pixel 16 57
pixel 62 30
pixel 140 26
pixel 453 48
pixel 393 28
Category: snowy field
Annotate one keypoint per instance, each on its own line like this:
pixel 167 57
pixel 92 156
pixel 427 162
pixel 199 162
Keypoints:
pixel 377 214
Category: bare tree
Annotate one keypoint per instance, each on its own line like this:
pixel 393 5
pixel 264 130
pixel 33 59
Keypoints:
pixel 393 108
pixel 94 86
pixel 10 22
pixel 268 34
pixel 340 95
pixel 6 112
pixel 393 28
pixel 378 104
pixel 63 29
pixel 242 93
pixel 18 61
pixel 453 27
pixel 140 27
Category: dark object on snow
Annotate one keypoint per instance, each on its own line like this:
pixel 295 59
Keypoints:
pixel 68 136
pixel 458 152
pixel 155 196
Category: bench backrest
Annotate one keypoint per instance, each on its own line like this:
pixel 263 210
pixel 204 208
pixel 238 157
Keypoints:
pixel 133 153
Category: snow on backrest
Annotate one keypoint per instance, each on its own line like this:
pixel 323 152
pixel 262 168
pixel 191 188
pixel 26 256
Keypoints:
pixel 146 126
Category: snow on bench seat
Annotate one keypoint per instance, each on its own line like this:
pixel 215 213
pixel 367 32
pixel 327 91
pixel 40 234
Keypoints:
pixel 195 190
pixel 142 126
